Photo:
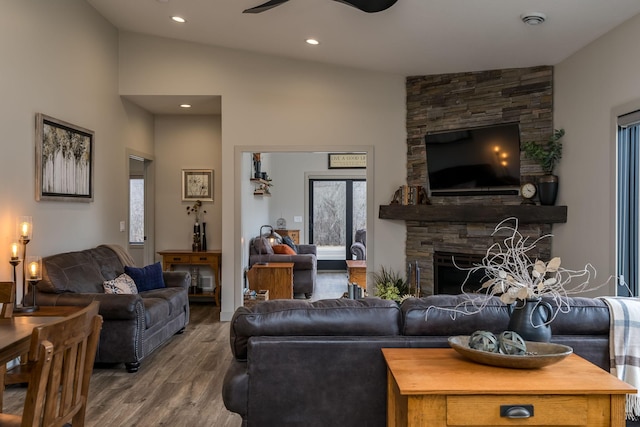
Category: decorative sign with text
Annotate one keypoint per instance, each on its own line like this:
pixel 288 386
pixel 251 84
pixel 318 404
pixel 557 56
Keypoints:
pixel 347 160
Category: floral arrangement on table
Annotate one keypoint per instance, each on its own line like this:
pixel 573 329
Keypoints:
pixel 512 275
pixel 196 210
pixel 390 285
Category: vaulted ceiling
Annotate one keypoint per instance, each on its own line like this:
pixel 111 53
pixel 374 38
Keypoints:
pixel 412 37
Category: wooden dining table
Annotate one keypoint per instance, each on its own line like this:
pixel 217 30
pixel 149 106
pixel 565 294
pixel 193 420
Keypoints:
pixel 15 336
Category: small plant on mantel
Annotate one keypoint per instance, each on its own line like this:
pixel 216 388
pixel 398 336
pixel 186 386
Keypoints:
pixel 548 154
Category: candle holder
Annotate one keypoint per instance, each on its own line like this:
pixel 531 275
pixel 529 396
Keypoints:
pixel 33 266
pixel 24 230
pixel 14 261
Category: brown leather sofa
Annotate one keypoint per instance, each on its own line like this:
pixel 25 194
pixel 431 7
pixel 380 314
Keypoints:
pixel 298 363
pixel 134 324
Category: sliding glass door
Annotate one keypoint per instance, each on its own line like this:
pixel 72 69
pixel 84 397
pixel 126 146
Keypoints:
pixel 337 209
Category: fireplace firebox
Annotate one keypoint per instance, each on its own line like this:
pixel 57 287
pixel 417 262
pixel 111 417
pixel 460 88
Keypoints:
pixel 449 273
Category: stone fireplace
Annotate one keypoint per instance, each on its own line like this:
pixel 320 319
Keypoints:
pixel 463 100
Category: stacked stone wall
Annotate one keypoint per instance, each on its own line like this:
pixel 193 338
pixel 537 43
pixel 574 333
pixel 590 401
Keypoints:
pixel 464 100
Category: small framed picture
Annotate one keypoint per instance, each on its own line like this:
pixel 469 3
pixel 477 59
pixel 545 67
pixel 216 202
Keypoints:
pixel 64 161
pixel 197 184
pixel 347 160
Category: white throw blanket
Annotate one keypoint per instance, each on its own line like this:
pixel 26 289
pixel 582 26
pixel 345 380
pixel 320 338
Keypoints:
pixel 624 346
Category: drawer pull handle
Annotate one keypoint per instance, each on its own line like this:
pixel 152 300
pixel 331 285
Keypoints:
pixel 203 258
pixel 176 258
pixel 516 411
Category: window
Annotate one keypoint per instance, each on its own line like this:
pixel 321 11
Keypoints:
pixel 136 210
pixel 628 197
pixel 338 209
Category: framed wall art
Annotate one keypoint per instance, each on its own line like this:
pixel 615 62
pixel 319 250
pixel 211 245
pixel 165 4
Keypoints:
pixel 197 184
pixel 64 161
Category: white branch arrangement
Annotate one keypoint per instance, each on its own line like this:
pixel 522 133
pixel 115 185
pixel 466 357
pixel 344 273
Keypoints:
pixel 512 275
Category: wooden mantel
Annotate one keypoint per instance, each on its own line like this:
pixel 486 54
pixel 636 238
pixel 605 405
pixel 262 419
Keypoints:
pixel 526 214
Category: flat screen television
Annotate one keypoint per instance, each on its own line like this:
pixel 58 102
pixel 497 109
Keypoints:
pixel 482 160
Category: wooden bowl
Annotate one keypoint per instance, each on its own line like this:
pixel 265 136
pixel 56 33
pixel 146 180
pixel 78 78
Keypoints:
pixel 538 354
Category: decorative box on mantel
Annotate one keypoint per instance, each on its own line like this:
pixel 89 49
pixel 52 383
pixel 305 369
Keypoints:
pixel 467 230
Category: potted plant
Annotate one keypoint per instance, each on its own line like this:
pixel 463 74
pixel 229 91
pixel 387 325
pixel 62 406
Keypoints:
pixel 547 155
pixel 390 285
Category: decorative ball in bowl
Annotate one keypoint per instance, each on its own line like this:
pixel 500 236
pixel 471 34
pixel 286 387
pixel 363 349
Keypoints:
pixel 538 354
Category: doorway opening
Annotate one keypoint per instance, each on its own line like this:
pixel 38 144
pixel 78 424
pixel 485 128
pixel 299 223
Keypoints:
pixel 140 203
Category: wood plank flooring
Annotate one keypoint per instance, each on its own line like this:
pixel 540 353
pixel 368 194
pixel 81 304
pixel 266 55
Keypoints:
pixel 180 384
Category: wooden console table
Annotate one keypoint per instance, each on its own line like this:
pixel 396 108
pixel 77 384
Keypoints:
pixel 275 277
pixel 438 387
pixel 211 259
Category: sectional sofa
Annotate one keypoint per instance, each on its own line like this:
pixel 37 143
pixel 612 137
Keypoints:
pixel 319 364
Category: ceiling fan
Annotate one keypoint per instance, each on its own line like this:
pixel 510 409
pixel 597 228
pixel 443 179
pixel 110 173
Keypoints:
pixel 369 6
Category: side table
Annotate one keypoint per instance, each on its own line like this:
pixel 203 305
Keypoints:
pixel 211 259
pixel 275 277
pixel 357 270
pixel 438 387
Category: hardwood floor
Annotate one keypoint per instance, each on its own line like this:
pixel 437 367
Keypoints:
pixel 178 385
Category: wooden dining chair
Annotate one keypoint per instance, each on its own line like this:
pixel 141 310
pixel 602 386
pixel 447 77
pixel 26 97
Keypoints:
pixel 7 299
pixel 63 354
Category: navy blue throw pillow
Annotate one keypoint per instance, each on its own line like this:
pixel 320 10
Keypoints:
pixel 146 278
pixel 287 241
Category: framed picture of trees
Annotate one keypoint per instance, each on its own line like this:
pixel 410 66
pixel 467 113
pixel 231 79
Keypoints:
pixel 64 161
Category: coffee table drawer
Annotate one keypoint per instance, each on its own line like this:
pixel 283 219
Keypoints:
pixel 557 410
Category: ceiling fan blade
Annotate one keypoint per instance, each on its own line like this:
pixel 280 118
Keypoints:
pixel 370 6
pixel 265 6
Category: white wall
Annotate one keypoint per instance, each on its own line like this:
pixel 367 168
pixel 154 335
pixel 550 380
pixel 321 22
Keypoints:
pixel 185 142
pixel 589 87
pixel 60 58
pixel 274 102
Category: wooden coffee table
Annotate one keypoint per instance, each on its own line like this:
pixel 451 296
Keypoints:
pixel 438 387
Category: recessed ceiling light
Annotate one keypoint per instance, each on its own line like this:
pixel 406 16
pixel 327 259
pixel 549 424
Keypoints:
pixel 179 19
pixel 533 18
pixel 312 41
pixel 185 105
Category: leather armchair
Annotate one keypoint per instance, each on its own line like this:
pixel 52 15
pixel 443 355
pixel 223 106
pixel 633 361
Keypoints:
pixel 359 247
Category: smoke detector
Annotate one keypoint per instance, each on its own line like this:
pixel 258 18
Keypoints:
pixel 533 18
